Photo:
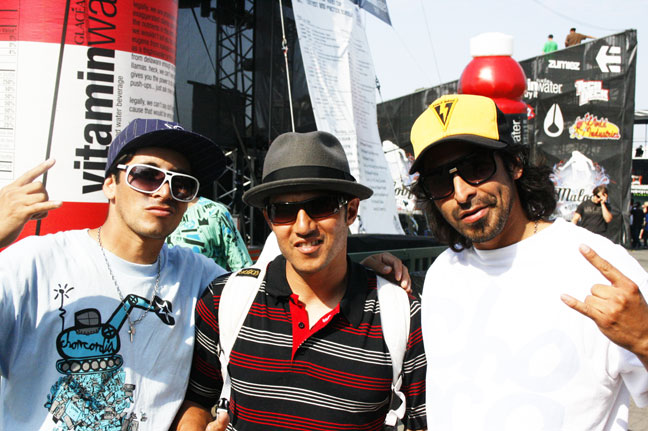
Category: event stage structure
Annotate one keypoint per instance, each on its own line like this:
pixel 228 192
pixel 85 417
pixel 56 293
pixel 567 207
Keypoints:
pixel 231 85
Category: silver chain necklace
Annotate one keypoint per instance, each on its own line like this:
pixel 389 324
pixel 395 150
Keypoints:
pixel 131 323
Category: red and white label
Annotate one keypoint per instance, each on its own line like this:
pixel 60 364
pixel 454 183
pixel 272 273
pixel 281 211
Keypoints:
pixel 117 64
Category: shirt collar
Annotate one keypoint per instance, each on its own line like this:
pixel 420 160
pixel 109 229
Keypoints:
pixel 351 305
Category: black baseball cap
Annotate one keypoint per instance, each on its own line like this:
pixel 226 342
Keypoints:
pixel 205 157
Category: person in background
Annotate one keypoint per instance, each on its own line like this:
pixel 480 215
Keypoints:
pixel 644 228
pixel 636 224
pixel 524 324
pixel 207 227
pixel 24 200
pixel 550 45
pixel 594 214
pixel 639 151
pixel 574 38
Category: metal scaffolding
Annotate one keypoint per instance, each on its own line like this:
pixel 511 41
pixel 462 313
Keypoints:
pixel 235 75
pixel 247 103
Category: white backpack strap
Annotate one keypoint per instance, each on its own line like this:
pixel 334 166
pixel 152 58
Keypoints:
pixel 395 322
pixel 235 302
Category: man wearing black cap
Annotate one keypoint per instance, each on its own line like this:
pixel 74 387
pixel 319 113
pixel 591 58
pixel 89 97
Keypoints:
pixel 95 325
pixel 310 353
pixel 503 349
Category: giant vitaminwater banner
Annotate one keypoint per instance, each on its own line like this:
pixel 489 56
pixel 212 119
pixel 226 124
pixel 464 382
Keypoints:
pixel 341 84
pixel 73 74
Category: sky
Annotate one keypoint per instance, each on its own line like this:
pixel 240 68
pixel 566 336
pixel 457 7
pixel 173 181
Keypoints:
pixel 428 42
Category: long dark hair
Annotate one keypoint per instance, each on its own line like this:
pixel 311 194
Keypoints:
pixel 535 189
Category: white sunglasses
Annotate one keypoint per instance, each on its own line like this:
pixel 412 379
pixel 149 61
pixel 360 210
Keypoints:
pixel 150 179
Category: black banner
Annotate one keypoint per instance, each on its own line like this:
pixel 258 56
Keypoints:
pixel 581 108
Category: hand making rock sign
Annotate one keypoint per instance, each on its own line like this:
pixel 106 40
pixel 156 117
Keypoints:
pixel 24 200
pixel 619 310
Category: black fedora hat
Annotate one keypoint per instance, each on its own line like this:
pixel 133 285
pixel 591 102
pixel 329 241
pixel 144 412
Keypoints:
pixel 298 162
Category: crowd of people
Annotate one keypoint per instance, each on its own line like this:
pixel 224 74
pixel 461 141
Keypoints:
pixel 523 322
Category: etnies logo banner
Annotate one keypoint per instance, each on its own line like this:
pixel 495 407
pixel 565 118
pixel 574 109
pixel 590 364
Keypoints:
pixel 70 99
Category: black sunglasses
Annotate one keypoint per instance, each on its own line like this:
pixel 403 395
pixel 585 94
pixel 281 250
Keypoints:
pixel 317 208
pixel 474 169
pixel 150 179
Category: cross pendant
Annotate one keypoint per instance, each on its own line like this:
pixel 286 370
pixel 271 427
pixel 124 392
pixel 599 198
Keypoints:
pixel 131 332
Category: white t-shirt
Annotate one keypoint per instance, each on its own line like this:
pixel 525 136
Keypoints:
pixel 66 358
pixel 505 353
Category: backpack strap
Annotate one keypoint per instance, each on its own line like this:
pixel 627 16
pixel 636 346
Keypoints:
pixel 395 323
pixel 237 298
pixel 235 302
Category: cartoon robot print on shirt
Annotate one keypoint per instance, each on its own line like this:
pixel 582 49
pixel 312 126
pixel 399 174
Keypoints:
pixel 92 394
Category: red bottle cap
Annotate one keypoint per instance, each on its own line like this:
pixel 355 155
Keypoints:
pixel 494 73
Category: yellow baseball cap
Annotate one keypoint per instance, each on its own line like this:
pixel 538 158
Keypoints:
pixel 459 117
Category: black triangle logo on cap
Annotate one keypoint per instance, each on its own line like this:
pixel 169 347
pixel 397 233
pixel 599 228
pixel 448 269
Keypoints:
pixel 443 110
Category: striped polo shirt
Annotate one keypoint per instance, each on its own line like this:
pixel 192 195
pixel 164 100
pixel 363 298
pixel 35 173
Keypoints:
pixel 334 374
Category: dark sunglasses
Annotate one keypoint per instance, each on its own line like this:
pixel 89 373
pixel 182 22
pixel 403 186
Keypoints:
pixel 150 179
pixel 474 169
pixel 317 208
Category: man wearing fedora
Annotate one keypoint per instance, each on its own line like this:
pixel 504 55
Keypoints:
pixel 95 324
pixel 310 353
pixel 504 349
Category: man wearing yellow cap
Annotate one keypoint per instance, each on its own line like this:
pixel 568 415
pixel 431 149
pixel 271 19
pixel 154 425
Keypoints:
pixel 504 349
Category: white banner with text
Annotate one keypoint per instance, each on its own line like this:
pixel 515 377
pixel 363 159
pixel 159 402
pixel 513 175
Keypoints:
pixel 341 83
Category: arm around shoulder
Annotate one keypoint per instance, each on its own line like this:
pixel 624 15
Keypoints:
pixel 194 417
pixel 191 417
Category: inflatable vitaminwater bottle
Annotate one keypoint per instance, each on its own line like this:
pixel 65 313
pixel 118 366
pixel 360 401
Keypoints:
pixel 493 73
